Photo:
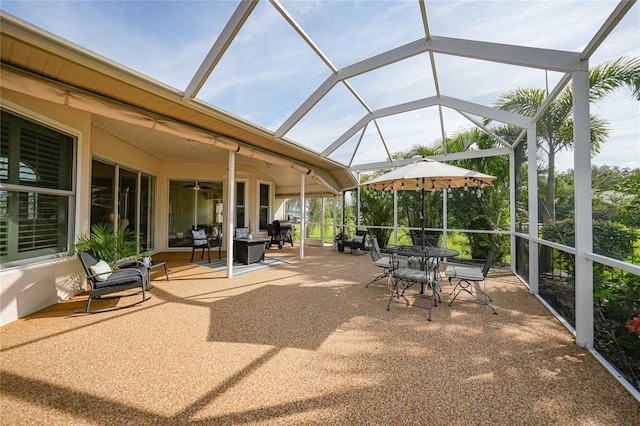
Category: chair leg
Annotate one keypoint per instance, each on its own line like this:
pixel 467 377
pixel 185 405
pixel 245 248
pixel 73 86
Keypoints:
pixel 378 278
pixel 192 251
pixel 208 254
pixel 394 291
pixel 468 287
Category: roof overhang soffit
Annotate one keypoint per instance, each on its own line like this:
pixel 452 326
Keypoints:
pixel 548 59
pixel 75 98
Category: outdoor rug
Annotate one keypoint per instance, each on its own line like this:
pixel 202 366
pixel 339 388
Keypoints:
pixel 240 268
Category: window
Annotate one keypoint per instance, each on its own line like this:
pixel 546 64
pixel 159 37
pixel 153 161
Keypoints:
pixel 240 205
pixel 265 206
pixel 135 195
pixel 36 189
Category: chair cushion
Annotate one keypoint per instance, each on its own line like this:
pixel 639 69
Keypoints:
pixel 357 239
pixel 464 272
pixel 199 237
pixel 101 268
pixel 383 262
pixel 408 274
pixel 124 276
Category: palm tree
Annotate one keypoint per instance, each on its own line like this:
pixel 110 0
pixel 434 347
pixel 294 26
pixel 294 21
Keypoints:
pixel 555 128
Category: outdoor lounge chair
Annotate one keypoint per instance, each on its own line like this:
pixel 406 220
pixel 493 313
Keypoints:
pixel 103 280
pixel 358 242
pixel 469 279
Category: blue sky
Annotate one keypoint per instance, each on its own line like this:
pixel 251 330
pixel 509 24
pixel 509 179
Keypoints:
pixel 269 71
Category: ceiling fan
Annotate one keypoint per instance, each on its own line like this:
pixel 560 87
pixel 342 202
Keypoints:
pixel 196 186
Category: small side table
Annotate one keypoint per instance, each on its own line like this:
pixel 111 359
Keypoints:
pixel 249 250
pixel 157 264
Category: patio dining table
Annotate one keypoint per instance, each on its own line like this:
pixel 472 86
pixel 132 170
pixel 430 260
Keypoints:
pixel 422 266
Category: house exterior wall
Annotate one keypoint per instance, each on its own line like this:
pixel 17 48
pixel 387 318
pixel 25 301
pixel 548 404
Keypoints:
pixel 29 288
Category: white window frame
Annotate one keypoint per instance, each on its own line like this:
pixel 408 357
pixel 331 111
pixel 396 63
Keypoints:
pixel 256 225
pixel 73 224
pixel 246 199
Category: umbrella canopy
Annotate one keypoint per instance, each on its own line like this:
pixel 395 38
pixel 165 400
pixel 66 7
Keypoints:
pixel 428 174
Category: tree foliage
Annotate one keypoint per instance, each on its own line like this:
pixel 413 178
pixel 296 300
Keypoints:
pixel 555 127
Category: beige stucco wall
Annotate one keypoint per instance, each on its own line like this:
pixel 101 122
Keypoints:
pixel 27 289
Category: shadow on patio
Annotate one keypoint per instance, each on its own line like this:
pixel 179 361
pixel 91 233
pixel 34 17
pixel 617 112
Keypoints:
pixel 303 343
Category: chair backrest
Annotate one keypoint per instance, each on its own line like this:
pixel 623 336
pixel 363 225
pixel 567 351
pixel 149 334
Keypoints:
pixel 363 234
pixel 87 260
pixel 374 248
pixel 489 261
pixel 199 237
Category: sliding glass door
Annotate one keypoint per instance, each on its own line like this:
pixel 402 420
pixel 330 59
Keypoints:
pixel 134 195
pixel 193 204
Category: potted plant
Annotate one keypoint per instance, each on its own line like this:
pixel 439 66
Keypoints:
pixel 146 259
pixel 108 245
pixel 340 239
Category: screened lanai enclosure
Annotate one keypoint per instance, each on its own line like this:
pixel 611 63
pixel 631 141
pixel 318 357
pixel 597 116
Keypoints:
pixel 238 113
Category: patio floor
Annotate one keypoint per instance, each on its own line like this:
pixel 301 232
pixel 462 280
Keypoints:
pixel 302 343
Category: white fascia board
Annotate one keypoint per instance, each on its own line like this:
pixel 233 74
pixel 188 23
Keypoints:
pixel 532 57
pixel 383 59
pixel 346 135
pixel 604 31
pixel 306 106
pixel 552 96
pixel 456 104
pixel 557 60
pixel 382 165
pixel 523 56
pixel 220 46
pixel 484 129
pixel 285 14
pixel 383 112
pixel 465 155
pixel 485 111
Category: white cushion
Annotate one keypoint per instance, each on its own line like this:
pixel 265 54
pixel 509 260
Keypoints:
pixel 358 239
pixel 103 269
pixel 464 272
pixel 199 234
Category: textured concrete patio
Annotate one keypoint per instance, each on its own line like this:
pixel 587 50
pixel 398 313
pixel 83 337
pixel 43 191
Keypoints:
pixel 302 343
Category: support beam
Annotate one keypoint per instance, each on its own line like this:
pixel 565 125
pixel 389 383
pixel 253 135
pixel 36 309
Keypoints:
pixel 395 218
pixel 512 207
pixel 490 152
pixel 583 216
pixel 303 215
pixel 231 202
pixel 445 214
pixel 532 179
pixel 220 46
pixel 449 102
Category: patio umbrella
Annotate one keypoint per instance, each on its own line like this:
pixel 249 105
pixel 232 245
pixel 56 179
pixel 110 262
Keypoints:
pixel 428 175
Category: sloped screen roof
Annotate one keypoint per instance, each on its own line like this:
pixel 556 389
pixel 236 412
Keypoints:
pixel 353 81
